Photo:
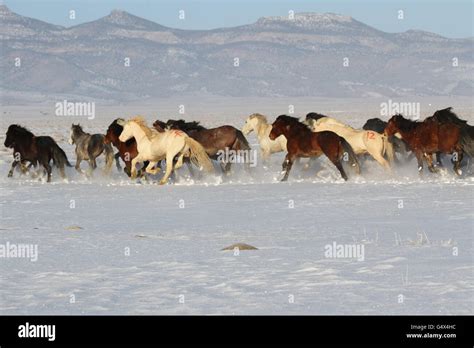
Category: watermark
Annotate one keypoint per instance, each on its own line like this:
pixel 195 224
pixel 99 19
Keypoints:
pixel 37 331
pixel 345 251
pixel 409 109
pixel 67 108
pixel 238 156
pixel 23 251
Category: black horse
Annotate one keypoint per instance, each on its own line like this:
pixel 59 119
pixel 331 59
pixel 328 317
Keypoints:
pixel 29 148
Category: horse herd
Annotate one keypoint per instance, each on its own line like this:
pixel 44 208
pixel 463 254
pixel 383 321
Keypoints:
pixel 177 142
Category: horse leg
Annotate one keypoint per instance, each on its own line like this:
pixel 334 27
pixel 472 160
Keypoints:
pixel 117 161
pixel 429 160
pixel 149 168
pixel 334 158
pixel 78 165
pixel 14 164
pixel 419 158
pixel 380 159
pixel 459 154
pixel 133 168
pixel 169 168
pixel 287 164
pixel 47 167
pixel 190 168
pixel 439 163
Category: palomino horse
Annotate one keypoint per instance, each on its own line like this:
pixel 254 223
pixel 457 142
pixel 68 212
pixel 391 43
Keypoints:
pixel 259 124
pixel 154 146
pixel 28 147
pixel 362 141
pixel 214 140
pixel 426 138
pixel 302 142
pixel 126 150
pixel 89 147
pixel 399 145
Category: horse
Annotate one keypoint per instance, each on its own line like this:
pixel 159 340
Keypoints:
pixel 362 141
pixel 259 124
pixel 154 146
pixel 28 147
pixel 426 138
pixel 214 140
pixel 302 142
pixel 126 150
pixel 89 147
pixel 399 146
pixel 447 116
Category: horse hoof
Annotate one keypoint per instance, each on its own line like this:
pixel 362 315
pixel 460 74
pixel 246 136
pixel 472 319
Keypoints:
pixel 162 182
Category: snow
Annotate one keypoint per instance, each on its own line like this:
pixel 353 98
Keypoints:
pixel 175 264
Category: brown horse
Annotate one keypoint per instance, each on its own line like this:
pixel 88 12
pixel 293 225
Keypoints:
pixel 426 138
pixel 302 142
pixel 214 140
pixel 126 150
pixel 447 116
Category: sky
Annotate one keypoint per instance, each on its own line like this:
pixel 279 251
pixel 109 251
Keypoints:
pixel 450 18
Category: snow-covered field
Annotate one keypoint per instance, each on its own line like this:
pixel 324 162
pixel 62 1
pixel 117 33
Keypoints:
pixel 110 246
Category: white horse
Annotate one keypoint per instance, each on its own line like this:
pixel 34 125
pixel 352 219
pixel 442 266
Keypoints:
pixel 259 124
pixel 361 141
pixel 154 146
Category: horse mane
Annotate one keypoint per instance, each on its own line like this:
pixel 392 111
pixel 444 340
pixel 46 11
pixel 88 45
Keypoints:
pixel 259 117
pixel 117 128
pixel 293 121
pixel 405 124
pixel 448 116
pixel 20 131
pixel 141 122
pixel 314 116
pixel 185 126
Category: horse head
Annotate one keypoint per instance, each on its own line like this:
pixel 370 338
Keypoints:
pixel 114 131
pixel 394 124
pixel 252 123
pixel 281 126
pixel 127 131
pixel 17 134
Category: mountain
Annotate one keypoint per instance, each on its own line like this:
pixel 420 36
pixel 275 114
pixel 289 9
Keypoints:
pixel 327 55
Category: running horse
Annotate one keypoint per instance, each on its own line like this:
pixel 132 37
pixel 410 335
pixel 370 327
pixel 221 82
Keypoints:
pixel 34 149
pixel 214 140
pixel 154 146
pixel 302 142
pixel 426 138
pixel 126 150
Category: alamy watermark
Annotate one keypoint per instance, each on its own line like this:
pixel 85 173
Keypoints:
pixel 344 251
pixel 67 108
pixel 25 251
pixel 238 156
pixel 407 109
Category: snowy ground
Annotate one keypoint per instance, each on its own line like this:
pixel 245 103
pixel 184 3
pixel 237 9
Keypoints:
pixel 131 248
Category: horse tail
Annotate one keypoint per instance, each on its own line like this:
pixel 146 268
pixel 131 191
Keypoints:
pixel 388 148
pixel 198 155
pixel 109 157
pixel 59 157
pixel 352 156
pixel 466 142
pixel 241 142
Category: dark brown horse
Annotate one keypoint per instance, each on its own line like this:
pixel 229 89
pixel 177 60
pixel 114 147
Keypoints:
pixel 126 150
pixel 214 140
pixel 28 147
pixel 426 138
pixel 447 116
pixel 302 142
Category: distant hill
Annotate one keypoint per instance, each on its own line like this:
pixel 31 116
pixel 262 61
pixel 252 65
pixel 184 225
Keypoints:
pixel 277 57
